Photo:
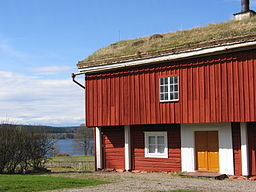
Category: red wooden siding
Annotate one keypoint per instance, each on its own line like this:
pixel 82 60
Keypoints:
pixel 251 130
pixel 170 164
pixel 219 88
pixel 113 147
pixel 236 142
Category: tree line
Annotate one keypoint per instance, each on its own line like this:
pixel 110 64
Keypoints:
pixel 22 148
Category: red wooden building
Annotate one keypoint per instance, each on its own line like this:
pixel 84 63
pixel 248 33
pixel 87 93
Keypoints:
pixel 189 108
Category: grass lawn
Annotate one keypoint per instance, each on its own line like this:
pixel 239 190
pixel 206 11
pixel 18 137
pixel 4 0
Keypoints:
pixel 71 163
pixel 27 183
pixel 72 158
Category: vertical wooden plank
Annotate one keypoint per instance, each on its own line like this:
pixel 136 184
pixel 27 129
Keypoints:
pixel 153 98
pixel 236 91
pixel 137 99
pixel 121 101
pixel 104 101
pixel 184 96
pixel 252 87
pixel 95 102
pixel 89 113
pixel 254 67
pixel 230 79
pixel 112 101
pixel 207 93
pixel 212 94
pixel 99 100
pixel 251 146
pixel 117 100
pixel 87 120
pixel 201 88
pixel 241 64
pixel 157 100
pixel 126 107
pixel 236 143
pixel 196 88
pixel 108 101
pixel 142 98
pixel 218 90
pixel 190 95
pixel 132 98
pixel 178 105
pixel 147 98
pixel 224 90
pixel 246 96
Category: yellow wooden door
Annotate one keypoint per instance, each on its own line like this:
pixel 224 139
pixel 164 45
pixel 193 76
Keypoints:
pixel 207 150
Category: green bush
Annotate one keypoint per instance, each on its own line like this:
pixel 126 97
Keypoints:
pixel 21 148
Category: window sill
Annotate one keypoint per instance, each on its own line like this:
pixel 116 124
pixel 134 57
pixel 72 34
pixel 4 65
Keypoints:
pixel 168 101
pixel 156 156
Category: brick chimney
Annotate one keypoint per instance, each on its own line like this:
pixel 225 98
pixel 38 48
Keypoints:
pixel 245 12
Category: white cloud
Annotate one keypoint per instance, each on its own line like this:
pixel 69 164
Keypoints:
pixel 7 48
pixel 50 70
pixel 30 100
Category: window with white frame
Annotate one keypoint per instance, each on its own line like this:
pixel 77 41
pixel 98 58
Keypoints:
pixel 156 144
pixel 169 88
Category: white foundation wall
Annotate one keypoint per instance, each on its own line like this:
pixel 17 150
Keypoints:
pixel 188 161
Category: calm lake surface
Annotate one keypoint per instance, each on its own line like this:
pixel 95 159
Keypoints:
pixel 67 146
pixel 71 147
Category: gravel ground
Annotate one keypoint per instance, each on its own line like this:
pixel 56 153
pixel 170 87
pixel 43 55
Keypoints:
pixel 150 182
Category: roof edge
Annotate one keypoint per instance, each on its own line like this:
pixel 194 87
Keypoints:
pixel 174 56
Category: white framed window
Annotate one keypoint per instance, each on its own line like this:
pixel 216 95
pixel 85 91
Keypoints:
pixel 169 88
pixel 156 144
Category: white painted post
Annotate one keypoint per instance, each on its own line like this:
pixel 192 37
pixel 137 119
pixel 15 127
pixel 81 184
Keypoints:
pixel 244 149
pixel 98 149
pixel 127 147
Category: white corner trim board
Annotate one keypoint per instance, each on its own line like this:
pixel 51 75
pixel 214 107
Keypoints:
pixel 226 164
pixel 188 54
pixel 127 147
pixel 244 149
pixel 98 148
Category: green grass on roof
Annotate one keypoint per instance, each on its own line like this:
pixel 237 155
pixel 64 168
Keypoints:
pixel 176 39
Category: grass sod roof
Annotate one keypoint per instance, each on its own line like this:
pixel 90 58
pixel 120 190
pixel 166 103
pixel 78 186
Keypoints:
pixel 169 43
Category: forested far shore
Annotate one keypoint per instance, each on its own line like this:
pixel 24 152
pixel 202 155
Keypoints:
pixel 55 132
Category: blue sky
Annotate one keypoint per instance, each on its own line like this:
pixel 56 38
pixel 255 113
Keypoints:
pixel 42 40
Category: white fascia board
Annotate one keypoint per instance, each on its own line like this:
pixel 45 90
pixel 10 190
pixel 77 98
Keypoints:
pixel 194 53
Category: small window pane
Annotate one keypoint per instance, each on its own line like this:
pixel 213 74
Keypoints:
pixel 175 79
pixel 162 96
pixel 175 87
pixel 171 80
pixel 176 95
pixel 160 148
pixel 171 96
pixel 151 140
pixel 166 80
pixel 166 96
pixel 165 88
pixel 160 139
pixel 152 148
pixel 161 81
pixel 162 89
pixel 171 88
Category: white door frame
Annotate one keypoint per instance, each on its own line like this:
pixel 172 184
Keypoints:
pixel 226 164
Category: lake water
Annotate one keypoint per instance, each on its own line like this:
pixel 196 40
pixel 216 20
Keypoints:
pixel 71 147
